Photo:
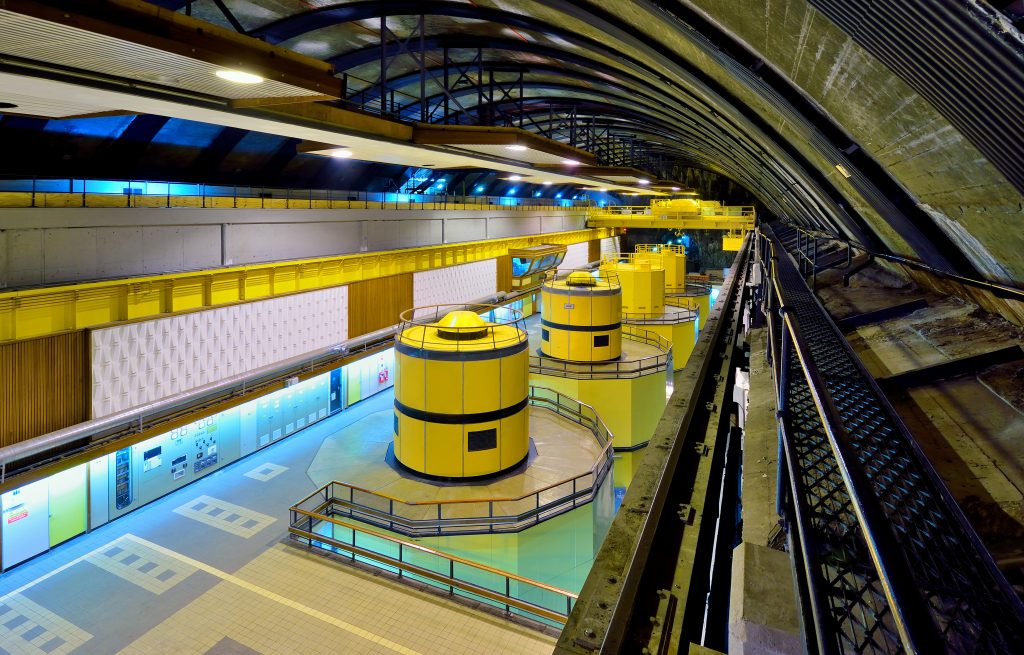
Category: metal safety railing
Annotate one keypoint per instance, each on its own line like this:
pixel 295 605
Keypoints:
pixel 885 560
pixel 806 249
pixel 674 312
pixel 421 328
pixel 410 561
pixel 30 192
pixel 664 210
pixel 621 368
pixel 424 518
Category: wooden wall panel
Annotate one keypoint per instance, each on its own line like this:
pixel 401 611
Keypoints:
pixel 504 273
pixel 44 385
pixel 594 250
pixel 376 303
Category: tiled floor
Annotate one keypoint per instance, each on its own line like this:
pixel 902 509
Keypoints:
pixel 178 576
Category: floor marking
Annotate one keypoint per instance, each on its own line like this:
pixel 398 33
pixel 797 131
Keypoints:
pixel 270 595
pixel 27 628
pixel 141 566
pixel 220 514
pixel 59 569
pixel 265 472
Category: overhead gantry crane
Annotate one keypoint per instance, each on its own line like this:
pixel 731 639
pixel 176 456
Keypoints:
pixel 687 213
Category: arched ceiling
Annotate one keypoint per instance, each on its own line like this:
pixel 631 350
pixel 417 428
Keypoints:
pixel 898 125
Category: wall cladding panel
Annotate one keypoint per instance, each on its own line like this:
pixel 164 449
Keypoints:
pixel 513 226
pixel 267 242
pixel 465 229
pixel 388 235
pixel 610 245
pixel 138 363
pixel 455 284
pixel 377 303
pixel 43 386
pixel 577 255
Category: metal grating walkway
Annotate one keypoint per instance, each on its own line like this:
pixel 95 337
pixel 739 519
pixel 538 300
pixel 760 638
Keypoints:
pixel 937 555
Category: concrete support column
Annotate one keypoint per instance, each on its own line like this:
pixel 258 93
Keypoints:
pixel 763 618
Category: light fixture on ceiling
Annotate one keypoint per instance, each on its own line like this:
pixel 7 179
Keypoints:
pixel 570 162
pixel 645 182
pixel 842 170
pixel 675 188
pixel 515 178
pixel 238 77
pixel 603 190
pixel 547 182
pixel 516 147
pixel 341 153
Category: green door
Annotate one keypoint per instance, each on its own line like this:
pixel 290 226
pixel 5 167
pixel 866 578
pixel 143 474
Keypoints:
pixel 68 504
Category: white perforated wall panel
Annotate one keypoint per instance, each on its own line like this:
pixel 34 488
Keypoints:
pixel 455 284
pixel 142 362
pixel 610 245
pixel 576 255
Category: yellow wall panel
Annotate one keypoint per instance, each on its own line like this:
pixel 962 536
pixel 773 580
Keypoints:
pixel 224 288
pixel 188 293
pixel 98 306
pixel 145 299
pixel 33 312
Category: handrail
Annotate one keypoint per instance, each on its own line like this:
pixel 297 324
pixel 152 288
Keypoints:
pixel 903 599
pixel 381 560
pixel 44 192
pixel 419 328
pixel 678 314
pixel 911 614
pixel 618 369
pixel 491 522
pixel 997 289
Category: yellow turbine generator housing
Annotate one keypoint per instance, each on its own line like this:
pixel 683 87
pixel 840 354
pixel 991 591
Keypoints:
pixel 581 316
pixel 461 392
pixel 642 278
pixel 672 258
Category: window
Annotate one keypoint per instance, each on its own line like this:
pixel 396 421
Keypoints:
pixel 601 341
pixel 545 335
pixel 483 439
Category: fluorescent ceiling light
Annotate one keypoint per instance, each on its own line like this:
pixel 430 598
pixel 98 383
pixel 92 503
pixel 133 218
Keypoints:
pixel 570 162
pixel 238 77
pixel 515 178
pixel 842 169
pixel 675 188
pixel 547 182
pixel 341 153
pixel 603 190
pixel 516 147
pixel 645 181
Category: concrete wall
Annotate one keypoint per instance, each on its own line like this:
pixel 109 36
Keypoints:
pixel 48 246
